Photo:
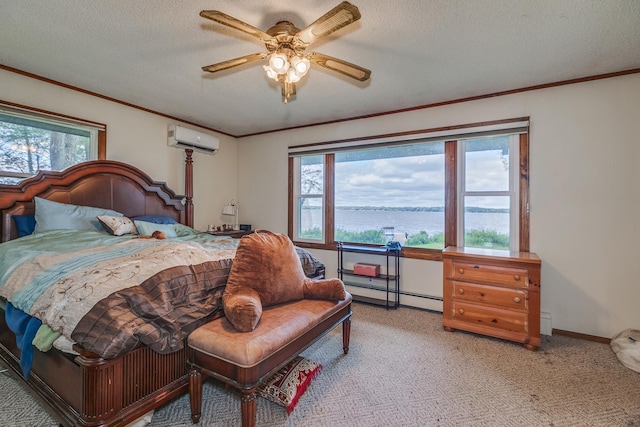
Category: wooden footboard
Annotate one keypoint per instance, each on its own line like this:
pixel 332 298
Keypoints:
pixel 98 392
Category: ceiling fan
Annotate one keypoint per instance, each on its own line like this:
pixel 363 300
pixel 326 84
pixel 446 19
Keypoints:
pixel 286 47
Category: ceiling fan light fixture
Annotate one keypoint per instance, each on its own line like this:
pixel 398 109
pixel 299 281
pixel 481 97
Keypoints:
pixel 292 75
pixel 287 65
pixel 279 63
pixel 300 65
pixel 270 72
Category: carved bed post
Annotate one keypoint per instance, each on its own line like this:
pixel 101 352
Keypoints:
pixel 188 186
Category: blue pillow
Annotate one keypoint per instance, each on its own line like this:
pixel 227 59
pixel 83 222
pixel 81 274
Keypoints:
pixel 147 228
pixel 156 219
pixel 52 215
pixel 25 224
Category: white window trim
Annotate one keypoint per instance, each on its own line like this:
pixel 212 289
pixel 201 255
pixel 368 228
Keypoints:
pixel 297 199
pixel 87 126
pixel 513 192
pixel 50 118
pixel 413 137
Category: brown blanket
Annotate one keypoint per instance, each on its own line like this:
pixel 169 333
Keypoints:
pixel 159 313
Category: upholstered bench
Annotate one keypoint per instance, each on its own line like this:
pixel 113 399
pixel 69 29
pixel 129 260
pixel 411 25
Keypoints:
pixel 245 359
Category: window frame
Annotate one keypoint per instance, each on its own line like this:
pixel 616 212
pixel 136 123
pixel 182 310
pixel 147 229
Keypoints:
pixel 298 197
pixel 97 130
pixel 433 147
pixel 512 192
pixel 451 183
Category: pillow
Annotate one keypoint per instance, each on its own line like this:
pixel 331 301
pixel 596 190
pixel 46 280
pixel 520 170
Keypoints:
pixel 268 264
pixel 25 224
pixel 147 228
pixel 311 265
pixel 266 271
pixel 626 345
pixel 117 225
pixel 156 219
pixel 52 215
pixel 184 230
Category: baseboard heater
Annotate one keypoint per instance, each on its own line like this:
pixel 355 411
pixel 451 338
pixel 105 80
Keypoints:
pixel 413 294
pixel 378 288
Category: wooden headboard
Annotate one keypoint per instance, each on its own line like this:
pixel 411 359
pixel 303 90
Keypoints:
pixel 100 183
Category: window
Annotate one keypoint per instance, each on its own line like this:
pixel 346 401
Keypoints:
pixel 391 193
pixel 31 142
pixel 309 218
pixel 488 194
pixel 464 186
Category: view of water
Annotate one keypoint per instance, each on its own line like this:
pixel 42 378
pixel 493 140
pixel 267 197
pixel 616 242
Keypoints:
pixel 411 222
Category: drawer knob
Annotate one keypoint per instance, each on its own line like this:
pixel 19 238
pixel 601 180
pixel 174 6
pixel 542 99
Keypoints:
pixel 461 291
pixel 461 270
pixel 516 299
pixel 516 277
pixel 461 311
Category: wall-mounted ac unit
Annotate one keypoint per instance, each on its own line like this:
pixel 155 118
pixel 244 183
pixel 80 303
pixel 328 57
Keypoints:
pixel 181 137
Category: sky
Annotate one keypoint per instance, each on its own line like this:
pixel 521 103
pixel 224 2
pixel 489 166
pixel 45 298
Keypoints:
pixel 416 181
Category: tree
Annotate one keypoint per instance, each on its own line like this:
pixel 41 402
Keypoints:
pixel 25 148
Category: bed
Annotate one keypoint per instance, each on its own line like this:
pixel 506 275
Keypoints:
pixel 93 383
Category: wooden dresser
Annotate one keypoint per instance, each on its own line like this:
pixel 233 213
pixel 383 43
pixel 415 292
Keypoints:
pixel 495 293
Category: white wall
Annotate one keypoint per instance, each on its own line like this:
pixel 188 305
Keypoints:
pixel 584 179
pixel 138 138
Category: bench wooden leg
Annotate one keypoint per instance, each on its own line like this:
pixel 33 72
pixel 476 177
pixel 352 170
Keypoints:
pixel 195 394
pixel 248 408
pixel 346 334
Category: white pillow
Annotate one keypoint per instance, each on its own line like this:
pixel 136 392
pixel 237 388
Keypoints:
pixel 117 225
pixel 52 215
pixel 626 345
pixel 147 228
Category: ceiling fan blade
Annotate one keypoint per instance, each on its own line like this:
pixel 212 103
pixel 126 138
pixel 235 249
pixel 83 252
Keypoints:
pixel 340 66
pixel 230 21
pixel 234 62
pixel 340 16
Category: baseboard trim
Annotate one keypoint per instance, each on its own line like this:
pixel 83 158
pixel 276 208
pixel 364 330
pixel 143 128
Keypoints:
pixel 552 331
pixel 581 336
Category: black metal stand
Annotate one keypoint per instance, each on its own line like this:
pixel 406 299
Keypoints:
pixel 388 281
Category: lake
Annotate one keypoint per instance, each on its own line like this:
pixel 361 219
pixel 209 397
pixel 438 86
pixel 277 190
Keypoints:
pixel 411 222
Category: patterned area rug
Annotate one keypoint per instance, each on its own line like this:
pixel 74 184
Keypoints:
pixel 286 386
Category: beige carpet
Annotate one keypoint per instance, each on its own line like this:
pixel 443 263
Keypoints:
pixel 404 370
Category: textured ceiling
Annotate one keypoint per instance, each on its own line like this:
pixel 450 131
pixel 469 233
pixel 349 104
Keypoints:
pixel 150 52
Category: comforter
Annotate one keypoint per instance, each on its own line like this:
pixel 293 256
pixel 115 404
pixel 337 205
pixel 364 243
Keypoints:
pixel 109 294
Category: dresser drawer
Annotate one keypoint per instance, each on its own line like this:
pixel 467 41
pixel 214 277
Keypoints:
pixel 516 277
pixel 511 299
pixel 490 317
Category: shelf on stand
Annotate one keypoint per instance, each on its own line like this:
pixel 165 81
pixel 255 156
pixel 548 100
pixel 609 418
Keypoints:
pixel 388 282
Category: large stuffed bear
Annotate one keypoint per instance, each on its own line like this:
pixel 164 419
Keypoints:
pixel 267 271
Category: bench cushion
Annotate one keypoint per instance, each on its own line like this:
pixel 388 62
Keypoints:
pixel 278 326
